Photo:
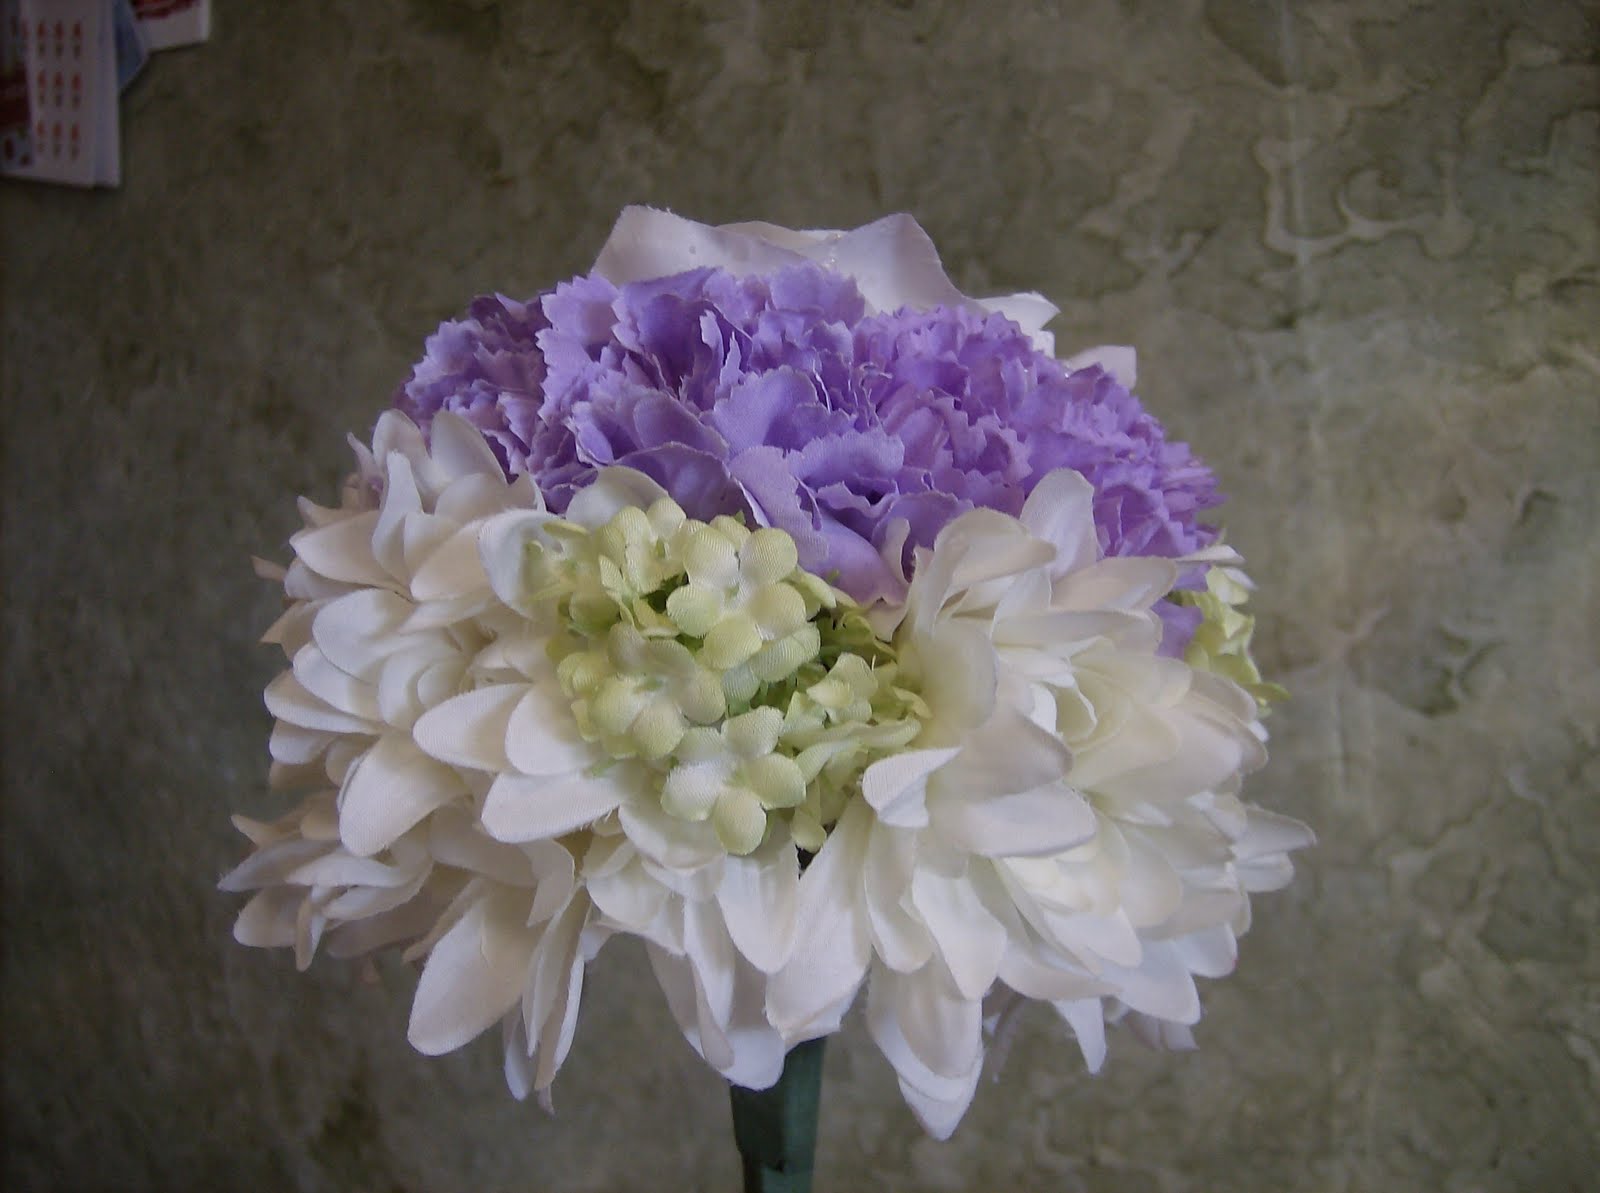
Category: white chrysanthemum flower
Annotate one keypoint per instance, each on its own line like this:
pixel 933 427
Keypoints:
pixel 391 616
pixel 1066 828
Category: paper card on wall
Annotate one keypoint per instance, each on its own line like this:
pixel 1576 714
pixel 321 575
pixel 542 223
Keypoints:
pixel 128 36
pixel 71 85
pixel 168 23
pixel 15 141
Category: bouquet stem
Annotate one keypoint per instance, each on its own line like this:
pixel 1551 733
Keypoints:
pixel 776 1129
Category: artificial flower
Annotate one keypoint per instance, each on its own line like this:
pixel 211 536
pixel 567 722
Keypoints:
pixel 785 399
pixel 760 596
pixel 1066 827
pixel 390 615
pixel 891 261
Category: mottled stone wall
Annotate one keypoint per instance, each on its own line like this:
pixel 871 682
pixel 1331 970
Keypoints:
pixel 1356 244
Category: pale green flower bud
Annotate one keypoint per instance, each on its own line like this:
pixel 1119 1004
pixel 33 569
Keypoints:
pixel 657 730
pixel 807 831
pixel 818 593
pixel 767 557
pixel 666 517
pixel 775 779
pixel 777 661
pixel 740 685
pixel 701 697
pixel 731 529
pixel 614 706
pixel 691 792
pixel 740 821
pixel 710 559
pixel 731 641
pixel 1221 643
pixel 581 672
pixel 694 609
pixel 752 734
pixel 702 651
pixel 776 610
pixel 700 744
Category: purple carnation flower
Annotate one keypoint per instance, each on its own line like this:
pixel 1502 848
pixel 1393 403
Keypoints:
pixel 488 369
pixel 779 397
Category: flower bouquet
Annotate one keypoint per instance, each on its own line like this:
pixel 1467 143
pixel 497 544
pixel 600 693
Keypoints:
pixel 760 595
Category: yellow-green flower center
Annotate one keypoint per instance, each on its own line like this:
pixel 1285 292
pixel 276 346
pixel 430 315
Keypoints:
pixel 703 651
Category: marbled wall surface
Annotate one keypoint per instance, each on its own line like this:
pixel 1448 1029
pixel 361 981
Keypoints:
pixel 1357 246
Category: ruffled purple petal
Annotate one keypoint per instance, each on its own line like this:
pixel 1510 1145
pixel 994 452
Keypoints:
pixel 778 398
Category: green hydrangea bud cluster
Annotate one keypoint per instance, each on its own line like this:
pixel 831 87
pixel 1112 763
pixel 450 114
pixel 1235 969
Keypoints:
pixel 702 650
pixel 1221 643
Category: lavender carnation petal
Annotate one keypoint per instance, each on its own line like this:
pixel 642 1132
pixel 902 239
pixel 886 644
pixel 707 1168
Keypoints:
pixel 778 398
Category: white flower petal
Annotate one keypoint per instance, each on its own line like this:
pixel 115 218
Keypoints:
pixel 629 897
pixel 342 551
pixel 832 943
pixel 477 498
pixel 1270 834
pixel 612 490
pixel 271 866
pixel 400 679
pixel 333 686
pixel 1151 888
pixel 541 737
pixel 420 536
pixel 470 729
pixel 1118 360
pixel 1046 820
pixel 1010 754
pixel 401 499
pixel 758 897
pixel 1087 1019
pixel 1060 511
pixel 959 680
pixel 389 791
pixel 1210 953
pixel 452 569
pixel 296 746
pixel 1161 985
pixel 474 974
pixel 502 546
pixel 898 936
pixel 1027 970
pixel 358 631
pixel 268 920
pixel 971 941
pixel 518 1063
pixel 455 838
pixel 941 1116
pixel 892 261
pixel 896 786
pixel 1097 939
pixel 1271 873
pixel 458 449
pixel 1204 753
pixel 937 1099
pixel 529 808
pixel 1124 583
pixel 395 432
pixel 1030 312
pixel 646 243
pixel 550 1002
pixel 664 838
pixel 288 700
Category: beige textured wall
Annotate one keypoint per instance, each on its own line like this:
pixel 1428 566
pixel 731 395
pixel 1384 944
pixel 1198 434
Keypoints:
pixel 1356 244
